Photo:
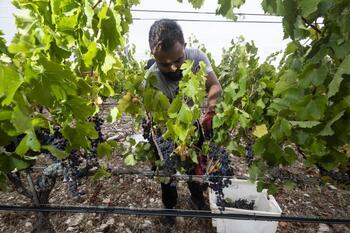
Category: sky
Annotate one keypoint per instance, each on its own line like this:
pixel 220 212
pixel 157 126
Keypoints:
pixel 215 36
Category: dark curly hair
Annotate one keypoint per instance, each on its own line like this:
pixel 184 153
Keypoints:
pixel 164 33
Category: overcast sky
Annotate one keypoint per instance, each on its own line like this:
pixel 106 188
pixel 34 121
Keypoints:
pixel 268 37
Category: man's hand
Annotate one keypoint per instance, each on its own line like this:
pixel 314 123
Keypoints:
pixel 207 124
pixel 201 167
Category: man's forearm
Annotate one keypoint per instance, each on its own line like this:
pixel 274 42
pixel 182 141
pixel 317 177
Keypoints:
pixel 213 94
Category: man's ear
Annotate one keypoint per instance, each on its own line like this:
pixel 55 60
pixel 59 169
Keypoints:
pixel 185 45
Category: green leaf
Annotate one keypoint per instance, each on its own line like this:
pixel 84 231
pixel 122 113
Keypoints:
pixel 104 149
pixel 316 107
pixel 272 189
pixel 21 121
pixel 312 75
pixel 310 107
pixel 65 14
pixel 5 115
pixel 162 102
pixel 113 115
pixel 327 131
pixel 291 47
pixel 260 103
pixel 78 136
pixel 80 108
pixel 180 131
pixel 101 173
pixel 175 107
pixel 8 163
pixel 308 7
pixel 344 68
pixel 40 121
pixel 89 13
pixel 111 29
pixel 194 157
pixel 102 14
pixel 274 7
pixel 124 103
pixel 10 81
pixel 280 129
pixel 108 63
pixel 59 154
pixel 217 122
pixel 90 54
pixel 290 156
pixel 260 130
pixel 58 92
pixel 254 173
pixel 196 3
pixel 226 7
pixel 305 124
pixel 185 114
pixel 130 160
pixel 260 146
pixel 28 142
pixel 286 82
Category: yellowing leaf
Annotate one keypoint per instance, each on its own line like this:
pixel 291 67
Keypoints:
pixel 260 130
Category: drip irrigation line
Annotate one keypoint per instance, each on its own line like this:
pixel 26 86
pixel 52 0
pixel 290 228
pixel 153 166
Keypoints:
pixel 150 173
pixel 199 12
pixel 185 177
pixel 213 21
pixel 170 212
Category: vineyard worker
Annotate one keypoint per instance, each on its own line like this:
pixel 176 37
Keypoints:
pixel 169 50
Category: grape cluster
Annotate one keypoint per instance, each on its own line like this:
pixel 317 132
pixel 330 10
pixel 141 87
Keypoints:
pixel 216 182
pixel 11 147
pixel 98 122
pixel 146 126
pixel 80 161
pixel 280 175
pixel 72 173
pixel 240 204
pixel 44 136
pixel 167 146
pixel 249 156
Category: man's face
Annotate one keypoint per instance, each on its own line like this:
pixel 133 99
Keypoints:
pixel 170 61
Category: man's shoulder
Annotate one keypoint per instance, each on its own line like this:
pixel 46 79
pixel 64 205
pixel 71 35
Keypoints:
pixel 193 52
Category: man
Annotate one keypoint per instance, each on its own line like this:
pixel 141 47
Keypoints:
pixel 169 50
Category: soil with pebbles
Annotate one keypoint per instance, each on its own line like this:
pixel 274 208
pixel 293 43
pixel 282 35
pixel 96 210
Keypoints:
pixel 309 197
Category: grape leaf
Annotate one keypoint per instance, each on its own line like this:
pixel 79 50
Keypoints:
pixel 10 81
pixel 280 129
pixel 12 162
pixel 59 154
pixel 344 68
pixel 305 124
pixel 308 7
pixel 185 114
pixel 260 130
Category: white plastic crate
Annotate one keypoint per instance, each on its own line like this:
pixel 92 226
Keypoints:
pixel 263 206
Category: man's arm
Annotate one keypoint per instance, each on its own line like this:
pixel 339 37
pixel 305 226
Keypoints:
pixel 213 89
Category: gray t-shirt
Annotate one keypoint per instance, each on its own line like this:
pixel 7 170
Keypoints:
pixel 170 87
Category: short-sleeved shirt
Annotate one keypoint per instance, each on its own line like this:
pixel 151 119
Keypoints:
pixel 170 87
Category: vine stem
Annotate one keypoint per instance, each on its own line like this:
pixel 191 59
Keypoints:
pixel 311 25
pixel 149 120
pixel 96 4
pixel 36 202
